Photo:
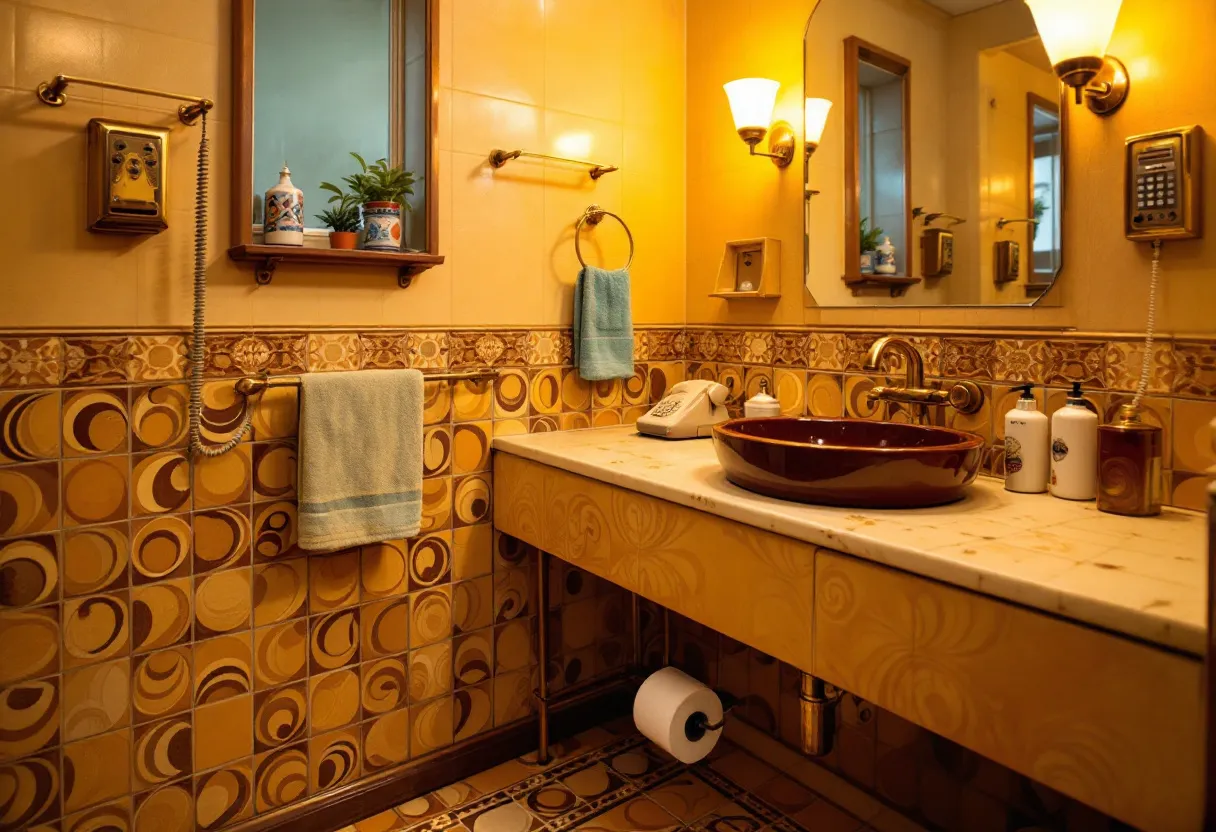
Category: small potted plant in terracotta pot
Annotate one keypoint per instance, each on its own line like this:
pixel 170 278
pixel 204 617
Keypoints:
pixel 382 191
pixel 342 221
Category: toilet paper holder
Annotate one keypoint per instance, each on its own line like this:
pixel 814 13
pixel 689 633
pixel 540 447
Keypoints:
pixel 698 725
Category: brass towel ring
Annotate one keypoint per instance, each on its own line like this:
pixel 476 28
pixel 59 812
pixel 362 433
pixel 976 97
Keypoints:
pixel 592 217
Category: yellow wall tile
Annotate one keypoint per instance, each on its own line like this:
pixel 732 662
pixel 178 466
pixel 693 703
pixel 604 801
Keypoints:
pixel 584 57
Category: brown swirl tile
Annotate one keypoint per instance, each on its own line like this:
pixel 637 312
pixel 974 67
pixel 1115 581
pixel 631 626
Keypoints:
pixel 160 684
pixel 385 741
pixel 333 760
pixel 635 389
pixel 31 362
pixel 274 470
pixel 471 499
pixel 85 782
pixel 157 358
pixel 160 615
pixel 431 725
pixel 280 591
pixel 280 716
pixel 29 643
pixel 96 360
pixel 160 548
pixel 222 538
pixel 221 602
pixel 29 712
pixel 333 641
pixel 383 570
pixel 160 482
pixel 95 559
pixel 29 498
pixel 96 628
pixel 436 504
pixel 1196 368
pixel 428 350
pixel 513 695
pixel 607 393
pixel 964 358
pixel 223 668
pixel 436 450
pixel 384 627
pixel 115 814
pixel 328 351
pixel 38 800
pixel 96 699
pixel 167 809
pixel 472 711
pixel 384 350
pixel 430 616
pixel 384 686
pixel 223 797
pixel 29 426
pixel 504 348
pixel 224 480
pixel 223 732
pixel 164 751
pixel 334 699
pixel 473 658
pixel 280 653
pixel 545 390
pixel 274 530
pixel 1192 443
pixel 333 580
pixel 1069 361
pixel 29 571
pixel 471 447
pixel 430 671
pixel 1124 362
pixel 159 417
pixel 472 400
pixel 95 490
pixel 276 414
pixel 550 347
pixel 222 413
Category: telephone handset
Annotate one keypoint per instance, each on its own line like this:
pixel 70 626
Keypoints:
pixel 1164 185
pixel 690 409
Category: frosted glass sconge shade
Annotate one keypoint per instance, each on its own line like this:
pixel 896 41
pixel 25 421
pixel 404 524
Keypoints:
pixel 751 103
pixel 816 118
pixel 1075 28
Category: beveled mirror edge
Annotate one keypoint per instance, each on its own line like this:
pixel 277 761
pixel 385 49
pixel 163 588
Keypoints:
pixel 1048 298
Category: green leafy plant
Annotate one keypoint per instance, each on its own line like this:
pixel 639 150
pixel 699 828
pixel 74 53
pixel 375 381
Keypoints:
pixel 1038 208
pixel 870 238
pixel 375 183
pixel 342 217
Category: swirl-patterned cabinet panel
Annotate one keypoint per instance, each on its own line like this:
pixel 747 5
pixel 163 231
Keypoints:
pixel 751 585
pixel 1108 721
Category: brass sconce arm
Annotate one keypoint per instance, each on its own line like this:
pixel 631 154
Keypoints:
pixel 781 142
pixel 1002 222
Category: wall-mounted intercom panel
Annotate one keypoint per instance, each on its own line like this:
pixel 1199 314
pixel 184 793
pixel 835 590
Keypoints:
pixel 127 164
pixel 1163 185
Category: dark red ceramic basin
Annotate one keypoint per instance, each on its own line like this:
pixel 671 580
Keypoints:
pixel 849 462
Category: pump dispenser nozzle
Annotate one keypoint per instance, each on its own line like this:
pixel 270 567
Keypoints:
pixel 1076 394
pixel 1027 391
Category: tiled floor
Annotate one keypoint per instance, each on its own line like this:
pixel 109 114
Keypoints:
pixel 610 781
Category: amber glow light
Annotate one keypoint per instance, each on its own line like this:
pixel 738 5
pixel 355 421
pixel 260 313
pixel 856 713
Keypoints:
pixel 816 114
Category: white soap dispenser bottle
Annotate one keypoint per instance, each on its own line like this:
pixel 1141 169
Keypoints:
pixel 1074 449
pixel 1027 445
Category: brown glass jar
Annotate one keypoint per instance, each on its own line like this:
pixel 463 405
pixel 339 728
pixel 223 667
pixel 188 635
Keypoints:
pixel 1129 465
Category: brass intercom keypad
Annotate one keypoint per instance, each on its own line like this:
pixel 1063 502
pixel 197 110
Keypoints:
pixel 127 164
pixel 1163 178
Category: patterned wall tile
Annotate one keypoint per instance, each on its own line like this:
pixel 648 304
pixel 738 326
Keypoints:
pixel 431 726
pixel 385 740
pixel 159 417
pixel 96 628
pixel 280 654
pixel 333 581
pixel 31 362
pixel 964 358
pixel 430 616
pixel 551 347
pixel 160 482
pixel 280 716
pixel 86 782
pixel 160 615
pixel 430 671
pixel 333 640
pixel 223 668
pixel 504 348
pixel 29 571
pixel 222 538
pixel 1069 361
pixel 160 684
pixel 280 777
pixel 274 530
pixel 1020 361
pixel 384 686
pixel 472 400
pixel 164 751
pixel 29 426
pixel 1125 361
pixel 224 797
pixel 29 712
pixel 280 591
pixel 95 559
pixel 157 357
pixel 334 699
pixel 96 360
pixel 29 495
pixel 168 809
pixel 1196 368
pixel 29 643
pixel 428 350
pixel 160 548
pixel 383 570
pixel 224 480
pixel 96 699
pixel 221 602
pixel 223 732
pixel 328 351
pixel 384 628
pixel 384 350
pixel 333 760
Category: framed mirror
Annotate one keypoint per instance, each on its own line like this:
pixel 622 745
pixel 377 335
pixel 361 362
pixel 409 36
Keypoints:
pixel 316 81
pixel 943 160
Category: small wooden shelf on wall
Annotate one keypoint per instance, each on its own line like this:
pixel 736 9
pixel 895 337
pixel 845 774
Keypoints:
pixel 897 283
pixel 267 258
pixel 750 262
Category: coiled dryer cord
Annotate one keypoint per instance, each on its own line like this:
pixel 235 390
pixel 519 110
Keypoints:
pixel 197 343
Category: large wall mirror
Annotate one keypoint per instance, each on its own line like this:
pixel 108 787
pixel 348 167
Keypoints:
pixel 942 159
pixel 316 80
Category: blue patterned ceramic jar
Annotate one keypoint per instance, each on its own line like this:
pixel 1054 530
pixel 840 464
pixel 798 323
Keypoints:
pixel 284 225
pixel 382 226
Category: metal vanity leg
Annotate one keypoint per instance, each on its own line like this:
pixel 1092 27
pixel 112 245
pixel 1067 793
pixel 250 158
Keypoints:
pixel 542 653
pixel 666 637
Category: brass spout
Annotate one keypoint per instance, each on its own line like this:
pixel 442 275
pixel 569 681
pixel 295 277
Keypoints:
pixel 965 396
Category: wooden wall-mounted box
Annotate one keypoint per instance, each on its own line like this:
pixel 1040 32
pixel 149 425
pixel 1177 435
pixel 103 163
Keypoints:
pixel 750 269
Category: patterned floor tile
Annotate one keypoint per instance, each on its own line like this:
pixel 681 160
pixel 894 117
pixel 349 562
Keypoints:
pixel 687 797
pixel 638 815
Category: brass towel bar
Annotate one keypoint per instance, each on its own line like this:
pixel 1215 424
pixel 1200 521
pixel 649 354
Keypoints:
pixel 498 158
pixel 253 386
pixel 52 93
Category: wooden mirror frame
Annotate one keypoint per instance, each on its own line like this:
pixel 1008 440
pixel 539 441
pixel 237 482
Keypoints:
pixel 857 50
pixel 1034 288
pixel 267 257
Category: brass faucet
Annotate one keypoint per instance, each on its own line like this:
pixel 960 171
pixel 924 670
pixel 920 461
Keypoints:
pixel 964 396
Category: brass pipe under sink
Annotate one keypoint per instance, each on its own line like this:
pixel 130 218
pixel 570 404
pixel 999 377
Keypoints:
pixel 816 716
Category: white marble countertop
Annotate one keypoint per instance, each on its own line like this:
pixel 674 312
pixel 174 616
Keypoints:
pixel 1144 577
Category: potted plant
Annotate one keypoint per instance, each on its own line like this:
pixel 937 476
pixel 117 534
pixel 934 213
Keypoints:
pixel 869 245
pixel 382 191
pixel 342 220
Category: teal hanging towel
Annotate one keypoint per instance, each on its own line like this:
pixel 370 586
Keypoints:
pixel 603 324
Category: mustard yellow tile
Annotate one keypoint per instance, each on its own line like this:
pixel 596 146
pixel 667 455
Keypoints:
pixel 498 49
pixel 654 61
pixel 8 25
pixel 580 34
pixel 1193 435
pixel 54 43
pixel 653 199
pixel 480 123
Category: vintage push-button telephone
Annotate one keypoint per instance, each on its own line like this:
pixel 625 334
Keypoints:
pixel 1163 182
pixel 690 409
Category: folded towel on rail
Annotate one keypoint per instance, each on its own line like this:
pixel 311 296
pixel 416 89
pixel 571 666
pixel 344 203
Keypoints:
pixel 360 458
pixel 603 324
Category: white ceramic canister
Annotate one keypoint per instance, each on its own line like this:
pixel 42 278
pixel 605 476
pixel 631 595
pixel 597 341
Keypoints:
pixel 284 225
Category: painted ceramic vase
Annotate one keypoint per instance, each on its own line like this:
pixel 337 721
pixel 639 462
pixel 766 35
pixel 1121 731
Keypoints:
pixel 284 225
pixel 382 226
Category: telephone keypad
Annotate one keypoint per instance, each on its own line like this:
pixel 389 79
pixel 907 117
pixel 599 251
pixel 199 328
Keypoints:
pixel 667 406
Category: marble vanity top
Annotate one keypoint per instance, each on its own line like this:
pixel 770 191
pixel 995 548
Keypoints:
pixel 1144 577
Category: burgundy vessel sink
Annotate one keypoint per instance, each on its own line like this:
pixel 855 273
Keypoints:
pixel 849 462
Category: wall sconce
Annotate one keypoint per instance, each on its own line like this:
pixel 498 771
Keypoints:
pixel 1076 34
pixel 751 104
pixel 816 113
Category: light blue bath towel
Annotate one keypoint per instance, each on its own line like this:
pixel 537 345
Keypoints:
pixel 603 324
pixel 360 458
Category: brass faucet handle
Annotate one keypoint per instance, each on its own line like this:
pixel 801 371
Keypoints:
pixel 966 397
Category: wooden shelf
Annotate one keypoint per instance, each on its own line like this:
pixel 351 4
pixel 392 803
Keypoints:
pixel 897 283
pixel 409 264
pixel 745 295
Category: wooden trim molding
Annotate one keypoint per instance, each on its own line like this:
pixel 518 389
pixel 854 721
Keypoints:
pixel 372 795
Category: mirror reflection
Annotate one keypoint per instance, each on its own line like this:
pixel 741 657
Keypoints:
pixel 944 161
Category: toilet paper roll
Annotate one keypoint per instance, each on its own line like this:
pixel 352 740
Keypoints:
pixel 663 707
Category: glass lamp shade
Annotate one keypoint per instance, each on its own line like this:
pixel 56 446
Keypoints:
pixel 1073 29
pixel 751 104
pixel 816 118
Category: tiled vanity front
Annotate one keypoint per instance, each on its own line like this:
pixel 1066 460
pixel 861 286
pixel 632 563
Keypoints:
pixel 1058 641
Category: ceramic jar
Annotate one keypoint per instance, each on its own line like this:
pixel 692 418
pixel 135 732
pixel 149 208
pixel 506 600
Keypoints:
pixel 382 226
pixel 284 225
